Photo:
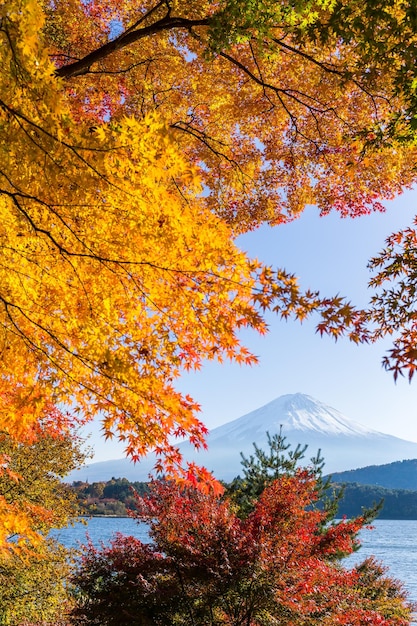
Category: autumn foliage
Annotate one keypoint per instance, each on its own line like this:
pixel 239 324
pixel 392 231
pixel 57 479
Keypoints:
pixel 33 500
pixel 115 279
pixel 116 273
pixel 137 140
pixel 36 452
pixel 208 566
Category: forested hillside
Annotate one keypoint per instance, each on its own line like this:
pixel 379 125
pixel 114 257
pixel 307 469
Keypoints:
pixel 397 475
pixel 113 497
pixel 397 503
pixel 116 496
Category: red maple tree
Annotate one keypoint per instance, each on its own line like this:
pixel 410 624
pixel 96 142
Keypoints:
pixel 207 566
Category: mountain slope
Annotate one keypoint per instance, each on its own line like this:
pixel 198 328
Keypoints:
pixel 345 444
pixel 397 475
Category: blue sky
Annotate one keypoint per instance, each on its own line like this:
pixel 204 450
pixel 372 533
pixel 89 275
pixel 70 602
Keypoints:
pixel 329 254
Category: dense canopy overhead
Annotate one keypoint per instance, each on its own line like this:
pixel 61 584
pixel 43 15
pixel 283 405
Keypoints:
pixel 137 139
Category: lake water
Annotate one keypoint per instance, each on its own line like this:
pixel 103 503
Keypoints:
pixel 100 529
pixel 392 542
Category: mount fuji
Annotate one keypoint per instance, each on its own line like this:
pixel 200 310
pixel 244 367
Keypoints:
pixel 344 443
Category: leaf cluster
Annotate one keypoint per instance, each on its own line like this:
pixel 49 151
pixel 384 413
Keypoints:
pixel 33 500
pixel 208 566
pixel 33 589
pixel 137 141
pixel 278 564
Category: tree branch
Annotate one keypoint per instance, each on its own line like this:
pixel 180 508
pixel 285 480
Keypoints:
pixel 127 38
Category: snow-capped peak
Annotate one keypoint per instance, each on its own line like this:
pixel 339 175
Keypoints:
pixel 293 412
pixel 344 444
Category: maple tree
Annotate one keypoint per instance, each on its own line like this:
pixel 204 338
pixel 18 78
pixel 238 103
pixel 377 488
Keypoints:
pixel 138 140
pixel 280 565
pixel 393 309
pixel 33 588
pixel 34 500
pixel 33 462
pixel 226 78
pixel 113 277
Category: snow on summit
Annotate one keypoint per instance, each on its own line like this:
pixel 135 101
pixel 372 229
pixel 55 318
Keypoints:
pixel 302 412
pixel 294 412
pixel 344 443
